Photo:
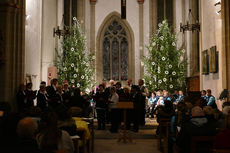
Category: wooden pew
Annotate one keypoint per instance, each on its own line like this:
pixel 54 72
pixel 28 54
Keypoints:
pixel 198 141
pixel 163 138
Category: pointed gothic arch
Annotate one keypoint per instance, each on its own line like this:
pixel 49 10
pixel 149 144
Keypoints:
pixel 118 35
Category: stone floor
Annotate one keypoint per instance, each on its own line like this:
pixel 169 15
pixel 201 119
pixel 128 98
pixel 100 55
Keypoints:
pixel 142 142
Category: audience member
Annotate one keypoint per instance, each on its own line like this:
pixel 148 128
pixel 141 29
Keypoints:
pixel 26 131
pixel 51 138
pixel 65 121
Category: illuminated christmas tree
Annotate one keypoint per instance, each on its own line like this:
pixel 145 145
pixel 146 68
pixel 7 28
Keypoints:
pixel 74 62
pixel 165 65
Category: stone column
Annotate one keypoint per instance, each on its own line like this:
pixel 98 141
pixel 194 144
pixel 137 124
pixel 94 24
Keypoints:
pixel 141 34
pixel 92 31
pixel 225 13
pixel 92 25
pixel 12 39
pixel 81 12
pixel 152 16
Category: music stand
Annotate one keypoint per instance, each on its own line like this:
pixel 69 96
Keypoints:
pixel 124 106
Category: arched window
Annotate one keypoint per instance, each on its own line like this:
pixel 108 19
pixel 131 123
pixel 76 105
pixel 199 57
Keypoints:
pixel 115 52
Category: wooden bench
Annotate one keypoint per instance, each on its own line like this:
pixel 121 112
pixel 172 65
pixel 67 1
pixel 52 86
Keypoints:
pixel 163 138
pixel 202 144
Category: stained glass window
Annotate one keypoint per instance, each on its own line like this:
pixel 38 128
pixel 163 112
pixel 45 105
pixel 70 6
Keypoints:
pixel 115 52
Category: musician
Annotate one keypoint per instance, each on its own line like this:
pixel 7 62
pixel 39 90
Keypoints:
pixel 211 99
pixel 115 114
pixel 30 95
pixel 42 98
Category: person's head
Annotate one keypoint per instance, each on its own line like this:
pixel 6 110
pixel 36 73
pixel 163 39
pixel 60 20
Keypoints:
pixel 209 92
pixel 129 82
pixel 43 83
pixel 208 110
pixel 27 128
pixel 42 88
pixel 175 92
pixel 140 82
pixel 203 92
pixel 181 92
pixel 153 94
pixel 101 88
pixel 66 86
pixel 104 84
pixel 226 109
pixel 29 85
pixel 166 93
pixel 118 85
pixel 159 93
pixel 111 82
pixel 197 111
pixel 112 90
pixel 126 89
pixel 59 89
pixel 55 82
pixel 64 82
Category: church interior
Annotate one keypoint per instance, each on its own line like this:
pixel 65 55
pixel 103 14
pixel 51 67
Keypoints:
pixel 35 35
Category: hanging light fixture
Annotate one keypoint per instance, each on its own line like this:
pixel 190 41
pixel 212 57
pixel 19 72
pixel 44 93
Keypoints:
pixel 190 26
pixel 60 32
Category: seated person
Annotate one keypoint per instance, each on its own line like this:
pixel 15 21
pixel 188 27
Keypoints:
pixel 65 121
pixel 197 126
pixel 222 138
pixel 26 131
pixel 51 138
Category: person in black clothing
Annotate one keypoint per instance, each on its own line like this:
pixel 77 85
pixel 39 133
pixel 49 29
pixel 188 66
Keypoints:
pixel 66 94
pixel 65 121
pixel 76 100
pixel 119 90
pixel 59 96
pixel 30 96
pixel 21 97
pixel 52 89
pixel 139 105
pixel 125 95
pixel 42 98
pixel 101 105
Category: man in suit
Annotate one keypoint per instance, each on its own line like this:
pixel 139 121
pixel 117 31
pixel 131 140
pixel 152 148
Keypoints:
pixel 52 89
